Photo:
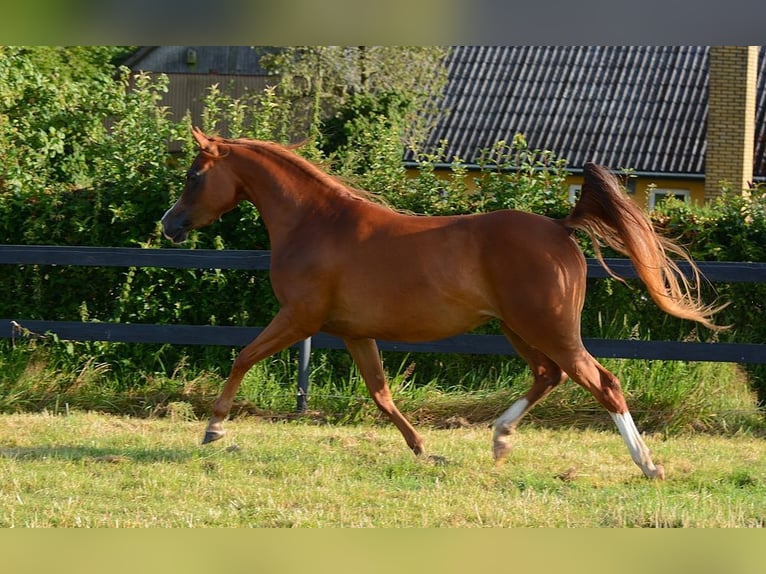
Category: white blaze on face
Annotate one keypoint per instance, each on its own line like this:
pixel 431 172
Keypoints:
pixel 162 221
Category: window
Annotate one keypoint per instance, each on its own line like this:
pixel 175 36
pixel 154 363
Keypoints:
pixel 574 192
pixel 657 195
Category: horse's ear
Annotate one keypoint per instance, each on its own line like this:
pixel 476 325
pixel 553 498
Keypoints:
pixel 205 143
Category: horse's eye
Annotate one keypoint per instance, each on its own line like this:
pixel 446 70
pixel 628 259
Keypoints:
pixel 193 174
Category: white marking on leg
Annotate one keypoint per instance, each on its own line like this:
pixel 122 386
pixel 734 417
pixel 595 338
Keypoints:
pixel 511 416
pixel 639 452
pixel 504 425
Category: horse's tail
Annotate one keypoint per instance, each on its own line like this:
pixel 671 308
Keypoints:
pixel 604 211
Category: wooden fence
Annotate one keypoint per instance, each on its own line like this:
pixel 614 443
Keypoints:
pixel 260 260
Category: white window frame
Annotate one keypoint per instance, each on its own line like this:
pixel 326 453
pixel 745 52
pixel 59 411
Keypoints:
pixel 574 189
pixel 659 193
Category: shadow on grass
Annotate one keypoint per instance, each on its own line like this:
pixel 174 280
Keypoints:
pixel 87 454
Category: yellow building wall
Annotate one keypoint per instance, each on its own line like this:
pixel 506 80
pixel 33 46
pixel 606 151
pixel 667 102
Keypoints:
pixel 639 188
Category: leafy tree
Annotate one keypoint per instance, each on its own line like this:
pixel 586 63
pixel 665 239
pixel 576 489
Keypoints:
pixel 323 80
pixel 53 102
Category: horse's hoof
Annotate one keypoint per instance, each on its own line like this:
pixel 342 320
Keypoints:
pixel 659 472
pixel 212 435
pixel 501 445
pixel 500 449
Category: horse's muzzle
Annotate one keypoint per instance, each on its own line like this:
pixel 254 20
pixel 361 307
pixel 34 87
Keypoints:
pixel 174 228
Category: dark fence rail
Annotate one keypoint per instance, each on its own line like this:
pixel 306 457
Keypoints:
pixel 133 257
pixel 465 344
pixel 260 260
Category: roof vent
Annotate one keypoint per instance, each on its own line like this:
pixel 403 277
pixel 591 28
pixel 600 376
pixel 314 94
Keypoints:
pixel 191 57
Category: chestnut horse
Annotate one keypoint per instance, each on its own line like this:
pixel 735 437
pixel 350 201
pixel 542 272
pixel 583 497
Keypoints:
pixel 359 270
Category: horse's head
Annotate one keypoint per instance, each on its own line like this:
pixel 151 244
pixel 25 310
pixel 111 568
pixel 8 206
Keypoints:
pixel 210 191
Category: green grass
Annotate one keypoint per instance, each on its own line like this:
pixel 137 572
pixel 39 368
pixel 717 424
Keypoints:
pixel 664 396
pixel 98 470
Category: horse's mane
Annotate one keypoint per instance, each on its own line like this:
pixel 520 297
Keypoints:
pixel 287 154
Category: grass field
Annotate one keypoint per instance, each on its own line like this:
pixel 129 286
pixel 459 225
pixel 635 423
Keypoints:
pixel 99 470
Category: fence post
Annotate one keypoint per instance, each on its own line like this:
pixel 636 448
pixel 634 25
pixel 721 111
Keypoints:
pixel 304 353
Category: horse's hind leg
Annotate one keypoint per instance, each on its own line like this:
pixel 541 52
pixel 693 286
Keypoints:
pixel 547 376
pixel 367 357
pixel 589 373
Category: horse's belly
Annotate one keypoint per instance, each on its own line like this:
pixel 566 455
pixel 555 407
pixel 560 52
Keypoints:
pixel 408 319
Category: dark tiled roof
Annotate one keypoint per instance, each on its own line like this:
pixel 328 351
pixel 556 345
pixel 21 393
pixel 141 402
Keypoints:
pixel 639 107
pixel 233 60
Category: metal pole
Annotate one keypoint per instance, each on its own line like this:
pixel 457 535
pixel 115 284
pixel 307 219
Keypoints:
pixel 304 353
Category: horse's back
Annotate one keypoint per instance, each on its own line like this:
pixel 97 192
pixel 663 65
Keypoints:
pixel 528 241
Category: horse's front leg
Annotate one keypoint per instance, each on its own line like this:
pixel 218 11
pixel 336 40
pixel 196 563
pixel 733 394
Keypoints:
pixel 367 357
pixel 278 335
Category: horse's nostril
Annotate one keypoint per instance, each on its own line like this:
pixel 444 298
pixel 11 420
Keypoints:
pixel 176 235
pixel 180 237
pixel 174 229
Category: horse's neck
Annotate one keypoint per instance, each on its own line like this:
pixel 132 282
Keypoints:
pixel 285 193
